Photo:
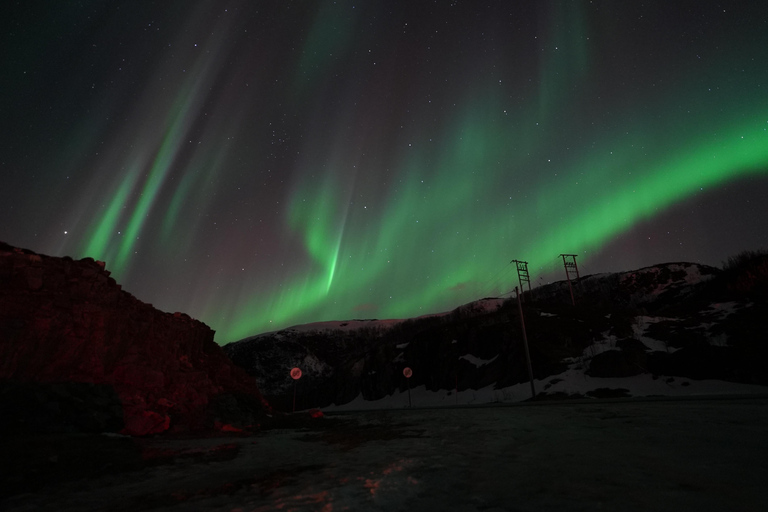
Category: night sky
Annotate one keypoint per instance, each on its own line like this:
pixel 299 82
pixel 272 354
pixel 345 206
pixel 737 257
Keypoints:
pixel 259 164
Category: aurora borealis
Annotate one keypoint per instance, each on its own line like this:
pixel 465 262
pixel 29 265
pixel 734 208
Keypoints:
pixel 262 164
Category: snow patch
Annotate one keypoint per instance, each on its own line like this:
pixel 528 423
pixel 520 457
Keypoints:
pixel 570 382
pixel 312 365
pixel 476 361
pixel 724 309
pixel 639 328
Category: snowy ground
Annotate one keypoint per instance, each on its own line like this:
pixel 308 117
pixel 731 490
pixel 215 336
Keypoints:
pixel 571 382
pixel 630 455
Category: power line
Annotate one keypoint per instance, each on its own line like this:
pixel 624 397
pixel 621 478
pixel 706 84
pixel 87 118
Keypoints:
pixel 496 278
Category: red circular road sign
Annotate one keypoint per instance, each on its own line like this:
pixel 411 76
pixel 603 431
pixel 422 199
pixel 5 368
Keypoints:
pixel 295 373
pixel 407 372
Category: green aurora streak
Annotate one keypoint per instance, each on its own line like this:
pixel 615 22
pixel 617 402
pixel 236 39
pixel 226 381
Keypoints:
pixel 501 183
pixel 449 245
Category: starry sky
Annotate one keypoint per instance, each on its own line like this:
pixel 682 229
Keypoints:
pixel 260 164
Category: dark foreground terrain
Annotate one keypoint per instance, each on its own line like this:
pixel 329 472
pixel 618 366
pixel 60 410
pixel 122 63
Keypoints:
pixel 671 455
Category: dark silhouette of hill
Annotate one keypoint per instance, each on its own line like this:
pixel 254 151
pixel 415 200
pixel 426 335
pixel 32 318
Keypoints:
pixel 78 353
pixel 673 320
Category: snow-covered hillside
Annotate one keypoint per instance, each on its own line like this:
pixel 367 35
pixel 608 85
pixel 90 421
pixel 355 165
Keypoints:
pixel 661 330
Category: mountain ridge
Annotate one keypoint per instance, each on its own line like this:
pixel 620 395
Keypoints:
pixel 675 320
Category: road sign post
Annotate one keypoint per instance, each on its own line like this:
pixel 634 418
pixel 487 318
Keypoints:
pixel 295 375
pixel 408 373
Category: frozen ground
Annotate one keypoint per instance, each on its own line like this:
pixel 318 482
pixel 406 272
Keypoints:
pixel 630 455
pixel 571 382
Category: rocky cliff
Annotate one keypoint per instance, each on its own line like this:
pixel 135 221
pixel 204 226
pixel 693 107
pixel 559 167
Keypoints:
pixel 68 321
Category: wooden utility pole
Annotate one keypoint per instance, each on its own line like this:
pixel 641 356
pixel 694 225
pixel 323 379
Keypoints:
pixel 569 262
pixel 525 344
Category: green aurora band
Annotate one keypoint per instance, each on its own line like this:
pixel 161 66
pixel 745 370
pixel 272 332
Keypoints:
pixel 447 244
pixel 465 190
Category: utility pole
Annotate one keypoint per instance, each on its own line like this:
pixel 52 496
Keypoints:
pixel 525 344
pixel 569 262
pixel 522 273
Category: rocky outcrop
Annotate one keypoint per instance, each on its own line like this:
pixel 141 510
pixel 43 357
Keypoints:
pixel 63 320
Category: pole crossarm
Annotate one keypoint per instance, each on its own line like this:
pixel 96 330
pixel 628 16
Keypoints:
pixel 522 273
pixel 569 263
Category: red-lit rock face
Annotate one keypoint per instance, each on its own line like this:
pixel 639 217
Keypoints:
pixel 67 321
